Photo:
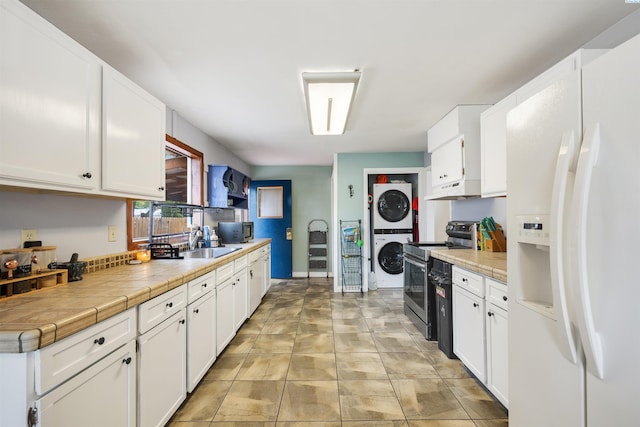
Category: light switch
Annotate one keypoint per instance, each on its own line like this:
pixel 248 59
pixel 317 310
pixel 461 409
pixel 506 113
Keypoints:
pixel 113 233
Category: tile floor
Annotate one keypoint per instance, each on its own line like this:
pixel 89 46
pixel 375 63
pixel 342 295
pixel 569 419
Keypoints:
pixel 312 357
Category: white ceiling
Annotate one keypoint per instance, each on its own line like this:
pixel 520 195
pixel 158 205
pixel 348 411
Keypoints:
pixel 233 67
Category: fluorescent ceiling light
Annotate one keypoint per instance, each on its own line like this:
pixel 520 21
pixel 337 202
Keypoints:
pixel 329 98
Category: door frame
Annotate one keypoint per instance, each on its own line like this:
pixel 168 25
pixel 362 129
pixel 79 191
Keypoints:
pixel 367 244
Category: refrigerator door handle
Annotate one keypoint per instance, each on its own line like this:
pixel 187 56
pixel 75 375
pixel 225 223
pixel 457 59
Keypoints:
pixel 586 162
pixel 566 157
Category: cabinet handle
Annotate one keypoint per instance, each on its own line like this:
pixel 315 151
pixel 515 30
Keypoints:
pixel 196 311
pixel 160 188
pixel 251 273
pixel 99 341
pixel 475 304
pixel 204 285
pixel 182 321
pixel 489 313
pixel 504 298
pixel 464 279
pixel 169 304
pixel 86 175
pixel 126 361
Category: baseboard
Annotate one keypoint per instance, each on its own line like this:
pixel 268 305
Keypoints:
pixel 301 274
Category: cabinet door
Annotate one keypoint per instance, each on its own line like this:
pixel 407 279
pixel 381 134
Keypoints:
pixel 446 163
pixel 162 369
pixel 256 285
pixel 494 148
pixel 201 338
pixel 266 270
pixel 240 298
pixel 225 324
pixel 497 353
pixel 50 108
pixel 468 331
pixel 133 127
pixel 102 395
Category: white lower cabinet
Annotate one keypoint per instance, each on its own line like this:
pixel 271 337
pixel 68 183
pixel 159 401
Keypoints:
pixel 497 341
pixel 266 269
pixel 480 325
pixel 65 383
pixel 225 324
pixel 162 360
pixel 102 395
pixel 201 338
pixel 256 280
pixel 240 294
pixel 468 331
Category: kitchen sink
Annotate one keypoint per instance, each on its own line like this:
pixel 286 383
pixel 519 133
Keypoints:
pixel 209 252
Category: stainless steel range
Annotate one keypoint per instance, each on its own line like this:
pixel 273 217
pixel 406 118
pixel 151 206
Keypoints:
pixel 419 289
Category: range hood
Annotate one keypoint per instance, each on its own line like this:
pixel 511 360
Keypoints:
pixel 463 189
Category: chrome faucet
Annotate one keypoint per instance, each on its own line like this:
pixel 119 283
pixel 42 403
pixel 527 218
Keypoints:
pixel 194 236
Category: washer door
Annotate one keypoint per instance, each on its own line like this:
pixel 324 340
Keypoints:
pixel 390 258
pixel 393 205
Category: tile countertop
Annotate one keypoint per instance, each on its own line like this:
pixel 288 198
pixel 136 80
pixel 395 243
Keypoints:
pixel 38 318
pixel 491 264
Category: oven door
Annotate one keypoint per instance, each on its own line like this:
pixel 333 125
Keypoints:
pixel 415 280
pixel 419 296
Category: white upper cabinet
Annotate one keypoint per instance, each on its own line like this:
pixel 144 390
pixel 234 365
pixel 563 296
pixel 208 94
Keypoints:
pixel 70 122
pixel 133 135
pixel 454 144
pixel 494 148
pixel 494 120
pixel 49 105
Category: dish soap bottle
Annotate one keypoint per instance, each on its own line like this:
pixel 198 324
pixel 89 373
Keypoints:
pixel 207 237
pixel 214 239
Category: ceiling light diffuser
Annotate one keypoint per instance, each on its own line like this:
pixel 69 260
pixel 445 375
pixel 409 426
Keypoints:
pixel 329 98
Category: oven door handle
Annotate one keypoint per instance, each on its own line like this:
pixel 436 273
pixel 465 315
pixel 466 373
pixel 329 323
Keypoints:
pixel 421 266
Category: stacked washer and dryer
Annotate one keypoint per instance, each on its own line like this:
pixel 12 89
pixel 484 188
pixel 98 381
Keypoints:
pixel 392 227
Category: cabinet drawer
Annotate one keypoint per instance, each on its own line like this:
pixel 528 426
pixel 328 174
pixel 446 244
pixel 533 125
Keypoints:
pixel 223 273
pixel 160 308
pixel 64 359
pixel 240 263
pixel 255 255
pixel 496 293
pixel 472 282
pixel 200 286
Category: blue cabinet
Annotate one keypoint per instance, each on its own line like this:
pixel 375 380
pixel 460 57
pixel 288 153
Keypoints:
pixel 228 188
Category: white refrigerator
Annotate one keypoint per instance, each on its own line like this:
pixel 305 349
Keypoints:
pixel 573 207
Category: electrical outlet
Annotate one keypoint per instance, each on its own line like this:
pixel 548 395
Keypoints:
pixel 113 233
pixel 29 234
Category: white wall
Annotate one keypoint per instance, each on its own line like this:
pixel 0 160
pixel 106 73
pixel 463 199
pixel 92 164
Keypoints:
pixel 213 152
pixel 476 209
pixel 72 223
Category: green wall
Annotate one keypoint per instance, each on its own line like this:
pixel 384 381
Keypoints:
pixel 311 199
pixel 350 172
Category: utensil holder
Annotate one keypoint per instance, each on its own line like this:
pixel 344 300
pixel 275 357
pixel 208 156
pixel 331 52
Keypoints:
pixel 497 243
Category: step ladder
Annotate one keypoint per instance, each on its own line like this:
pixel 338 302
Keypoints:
pixel 318 248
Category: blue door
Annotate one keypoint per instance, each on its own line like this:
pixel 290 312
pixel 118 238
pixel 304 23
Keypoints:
pixel 270 211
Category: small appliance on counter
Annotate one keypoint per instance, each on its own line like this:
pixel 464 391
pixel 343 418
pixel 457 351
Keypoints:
pixel 74 268
pixel 235 232
pixel 164 251
pixel 462 234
